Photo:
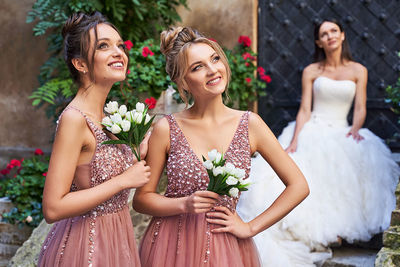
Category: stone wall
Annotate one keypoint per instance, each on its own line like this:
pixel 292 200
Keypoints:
pixel 23 127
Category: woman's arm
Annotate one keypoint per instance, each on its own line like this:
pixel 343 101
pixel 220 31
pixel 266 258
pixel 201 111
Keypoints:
pixel 148 201
pixel 360 102
pixel 304 113
pixel 264 141
pixel 58 201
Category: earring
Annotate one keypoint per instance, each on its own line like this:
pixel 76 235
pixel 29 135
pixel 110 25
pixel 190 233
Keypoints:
pixel 84 72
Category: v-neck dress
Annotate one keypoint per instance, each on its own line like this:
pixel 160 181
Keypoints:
pixel 186 239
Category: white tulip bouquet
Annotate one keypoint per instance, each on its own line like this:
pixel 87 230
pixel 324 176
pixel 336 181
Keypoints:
pixel 225 179
pixel 129 127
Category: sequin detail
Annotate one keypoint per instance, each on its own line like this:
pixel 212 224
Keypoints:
pixel 108 161
pixel 186 173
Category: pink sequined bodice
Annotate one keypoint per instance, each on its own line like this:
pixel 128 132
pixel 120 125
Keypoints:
pixel 108 161
pixel 186 173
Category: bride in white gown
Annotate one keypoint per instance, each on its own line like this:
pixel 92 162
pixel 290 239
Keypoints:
pixel 350 172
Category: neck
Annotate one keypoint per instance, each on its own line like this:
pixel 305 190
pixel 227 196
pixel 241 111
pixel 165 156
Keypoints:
pixel 333 58
pixel 91 99
pixel 208 108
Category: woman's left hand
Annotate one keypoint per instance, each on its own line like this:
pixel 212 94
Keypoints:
pixel 230 222
pixel 355 134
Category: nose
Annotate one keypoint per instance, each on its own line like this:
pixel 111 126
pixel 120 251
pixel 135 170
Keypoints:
pixel 117 52
pixel 211 69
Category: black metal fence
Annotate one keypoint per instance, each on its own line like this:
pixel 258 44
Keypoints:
pixel 286 44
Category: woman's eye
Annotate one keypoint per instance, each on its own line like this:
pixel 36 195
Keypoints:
pixel 102 45
pixel 196 68
pixel 122 46
pixel 216 59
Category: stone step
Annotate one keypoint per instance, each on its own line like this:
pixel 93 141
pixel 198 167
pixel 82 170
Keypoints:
pixel 391 237
pixel 351 257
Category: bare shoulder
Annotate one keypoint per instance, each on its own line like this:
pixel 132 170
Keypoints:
pixel 71 119
pixel 312 71
pixel 160 129
pixel 255 121
pixel 358 67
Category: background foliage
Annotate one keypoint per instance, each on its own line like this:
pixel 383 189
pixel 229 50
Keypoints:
pixel 136 19
pixel 393 95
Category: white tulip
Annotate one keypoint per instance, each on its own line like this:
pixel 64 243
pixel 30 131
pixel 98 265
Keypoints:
pixel 128 116
pixel 230 168
pixel 137 117
pixel 111 107
pixel 147 119
pixel 106 121
pixel 208 164
pixel 212 154
pixel 218 157
pixel 126 125
pixel 240 173
pixel 231 180
pixel 139 107
pixel 218 170
pixel 122 110
pixel 108 128
pixel 116 118
pixel 115 129
pixel 234 192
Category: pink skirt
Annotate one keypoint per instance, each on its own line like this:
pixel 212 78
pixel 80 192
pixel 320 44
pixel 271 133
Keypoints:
pixel 185 240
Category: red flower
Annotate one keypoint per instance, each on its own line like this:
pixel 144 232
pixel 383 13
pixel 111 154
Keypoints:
pixel 44 174
pixel 128 44
pixel 147 52
pixel 151 102
pixel 266 78
pixel 248 80
pixel 128 72
pixel 247 55
pixel 261 70
pixel 15 163
pixel 9 166
pixel 247 64
pixel 38 151
pixel 5 171
pixel 244 40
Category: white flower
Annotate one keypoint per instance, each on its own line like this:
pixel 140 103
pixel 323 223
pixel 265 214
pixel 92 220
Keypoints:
pixel 240 173
pixel 28 219
pixel 115 129
pixel 111 107
pixel 147 119
pixel 139 107
pixel 218 157
pixel 212 154
pixel 126 125
pixel 231 180
pixel 208 164
pixel 106 121
pixel 137 117
pixel 234 192
pixel 230 168
pixel 116 118
pixel 129 115
pixel 218 170
pixel 122 110
pixel 108 128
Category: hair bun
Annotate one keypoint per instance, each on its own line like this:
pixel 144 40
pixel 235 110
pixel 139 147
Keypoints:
pixel 168 38
pixel 71 23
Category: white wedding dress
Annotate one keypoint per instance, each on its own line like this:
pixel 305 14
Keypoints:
pixel 351 184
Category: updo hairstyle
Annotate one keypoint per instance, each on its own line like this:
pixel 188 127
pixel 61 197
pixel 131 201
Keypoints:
pixel 174 45
pixel 76 34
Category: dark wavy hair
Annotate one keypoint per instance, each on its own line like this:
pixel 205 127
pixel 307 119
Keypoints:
pixel 319 53
pixel 77 40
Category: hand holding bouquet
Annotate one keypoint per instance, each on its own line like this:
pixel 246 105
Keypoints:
pixel 129 127
pixel 225 179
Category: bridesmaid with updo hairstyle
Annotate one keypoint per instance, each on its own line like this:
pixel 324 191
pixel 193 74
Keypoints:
pixel 192 226
pixel 88 184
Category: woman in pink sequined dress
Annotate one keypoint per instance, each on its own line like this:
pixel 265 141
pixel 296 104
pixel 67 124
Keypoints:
pixel 88 184
pixel 192 226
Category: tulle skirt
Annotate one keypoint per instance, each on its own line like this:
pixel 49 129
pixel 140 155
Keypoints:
pixel 351 193
pixel 186 240
pixel 68 243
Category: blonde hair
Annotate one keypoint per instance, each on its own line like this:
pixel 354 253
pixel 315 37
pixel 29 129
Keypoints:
pixel 174 45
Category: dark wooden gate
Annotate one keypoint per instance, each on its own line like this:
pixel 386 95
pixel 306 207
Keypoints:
pixel 285 47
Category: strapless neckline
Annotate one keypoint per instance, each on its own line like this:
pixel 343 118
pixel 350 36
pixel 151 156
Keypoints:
pixel 324 77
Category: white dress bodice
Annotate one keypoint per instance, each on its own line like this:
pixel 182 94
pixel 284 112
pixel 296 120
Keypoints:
pixel 332 100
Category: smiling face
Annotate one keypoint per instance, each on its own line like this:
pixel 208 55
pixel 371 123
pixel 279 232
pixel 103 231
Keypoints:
pixel 330 37
pixel 110 61
pixel 206 73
